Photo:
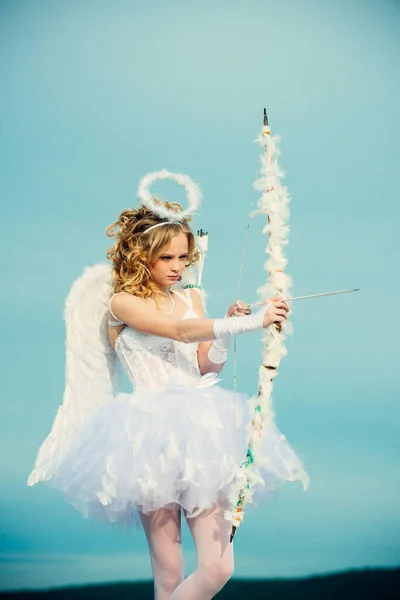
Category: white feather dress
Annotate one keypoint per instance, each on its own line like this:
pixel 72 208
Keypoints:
pixel 174 441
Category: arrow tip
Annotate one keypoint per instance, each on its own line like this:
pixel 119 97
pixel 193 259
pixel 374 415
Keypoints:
pixel 232 533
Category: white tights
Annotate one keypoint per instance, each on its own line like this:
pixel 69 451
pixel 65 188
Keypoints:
pixel 215 563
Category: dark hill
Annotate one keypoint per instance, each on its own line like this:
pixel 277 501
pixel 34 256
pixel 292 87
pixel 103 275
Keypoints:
pixel 368 584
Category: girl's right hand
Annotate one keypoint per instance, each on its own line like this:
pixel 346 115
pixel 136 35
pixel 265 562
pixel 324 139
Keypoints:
pixel 276 312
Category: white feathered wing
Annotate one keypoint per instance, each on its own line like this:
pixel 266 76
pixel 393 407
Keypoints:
pixel 91 379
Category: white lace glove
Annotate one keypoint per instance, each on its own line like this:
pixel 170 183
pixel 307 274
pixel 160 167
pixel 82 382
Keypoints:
pixel 225 328
pixel 218 351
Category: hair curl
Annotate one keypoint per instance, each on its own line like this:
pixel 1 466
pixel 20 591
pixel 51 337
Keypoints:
pixel 134 250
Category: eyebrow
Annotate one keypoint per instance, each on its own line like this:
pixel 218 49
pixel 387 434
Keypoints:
pixel 171 255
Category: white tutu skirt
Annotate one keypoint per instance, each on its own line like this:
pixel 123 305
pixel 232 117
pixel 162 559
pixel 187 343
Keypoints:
pixel 178 447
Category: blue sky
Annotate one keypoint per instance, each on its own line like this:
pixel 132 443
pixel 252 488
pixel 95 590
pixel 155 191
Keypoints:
pixel 95 95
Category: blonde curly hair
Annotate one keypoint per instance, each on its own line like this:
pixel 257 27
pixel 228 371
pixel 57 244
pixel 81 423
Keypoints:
pixel 133 250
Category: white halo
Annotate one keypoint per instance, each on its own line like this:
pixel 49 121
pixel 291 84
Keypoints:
pixel 193 194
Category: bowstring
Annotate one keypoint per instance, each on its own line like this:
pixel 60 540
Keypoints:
pixel 239 281
pixel 246 235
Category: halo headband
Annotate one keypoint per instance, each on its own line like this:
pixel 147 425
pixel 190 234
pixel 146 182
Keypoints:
pixel 158 225
pixel 193 194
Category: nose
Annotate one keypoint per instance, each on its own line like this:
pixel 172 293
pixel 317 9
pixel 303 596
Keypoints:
pixel 175 266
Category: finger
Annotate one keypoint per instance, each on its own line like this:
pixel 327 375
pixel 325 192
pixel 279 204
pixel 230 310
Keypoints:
pixel 283 305
pixel 279 319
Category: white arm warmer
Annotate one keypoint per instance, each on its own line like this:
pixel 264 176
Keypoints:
pixel 218 351
pixel 224 328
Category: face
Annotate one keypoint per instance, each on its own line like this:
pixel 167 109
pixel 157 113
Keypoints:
pixel 169 265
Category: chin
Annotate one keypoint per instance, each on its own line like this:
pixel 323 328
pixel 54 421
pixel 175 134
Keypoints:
pixel 173 282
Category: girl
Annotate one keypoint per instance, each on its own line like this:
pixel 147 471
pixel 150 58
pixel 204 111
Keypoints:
pixel 173 444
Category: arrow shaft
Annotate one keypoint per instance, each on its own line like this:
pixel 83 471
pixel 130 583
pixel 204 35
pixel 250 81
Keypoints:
pixel 310 296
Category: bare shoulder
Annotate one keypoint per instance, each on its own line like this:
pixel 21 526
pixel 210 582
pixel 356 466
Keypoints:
pixel 123 299
pixel 128 302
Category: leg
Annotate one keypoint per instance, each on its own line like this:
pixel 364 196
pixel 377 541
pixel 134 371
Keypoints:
pixel 163 533
pixel 215 561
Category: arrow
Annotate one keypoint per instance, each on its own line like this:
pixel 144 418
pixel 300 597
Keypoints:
pixel 311 296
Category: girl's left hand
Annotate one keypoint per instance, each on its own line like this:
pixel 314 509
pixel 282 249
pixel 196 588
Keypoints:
pixel 238 309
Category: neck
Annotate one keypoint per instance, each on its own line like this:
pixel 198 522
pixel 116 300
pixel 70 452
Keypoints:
pixel 167 305
pixel 163 290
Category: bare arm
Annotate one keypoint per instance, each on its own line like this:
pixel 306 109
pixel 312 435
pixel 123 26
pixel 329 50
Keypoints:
pixel 145 318
pixel 139 315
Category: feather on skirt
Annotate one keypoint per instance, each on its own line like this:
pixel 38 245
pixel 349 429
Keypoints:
pixel 177 447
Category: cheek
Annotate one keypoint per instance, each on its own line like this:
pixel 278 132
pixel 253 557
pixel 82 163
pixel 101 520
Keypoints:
pixel 154 269
pixel 160 267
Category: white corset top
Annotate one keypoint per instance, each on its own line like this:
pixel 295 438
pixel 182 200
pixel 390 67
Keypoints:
pixel 153 362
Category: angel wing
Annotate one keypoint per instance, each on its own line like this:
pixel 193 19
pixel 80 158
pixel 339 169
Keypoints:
pixel 91 379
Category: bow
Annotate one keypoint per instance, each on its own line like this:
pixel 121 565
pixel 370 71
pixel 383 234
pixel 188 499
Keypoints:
pixel 273 203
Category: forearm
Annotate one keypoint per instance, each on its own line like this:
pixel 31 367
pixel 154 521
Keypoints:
pixel 213 355
pixel 202 330
pixel 195 330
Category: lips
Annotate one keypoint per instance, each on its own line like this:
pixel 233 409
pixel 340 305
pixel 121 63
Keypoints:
pixel 173 276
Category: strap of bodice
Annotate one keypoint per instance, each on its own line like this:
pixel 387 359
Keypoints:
pixel 116 322
pixel 186 296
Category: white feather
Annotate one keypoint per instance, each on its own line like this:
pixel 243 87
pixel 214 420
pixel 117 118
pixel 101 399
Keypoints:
pixel 274 204
pixel 90 373
pixel 172 447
